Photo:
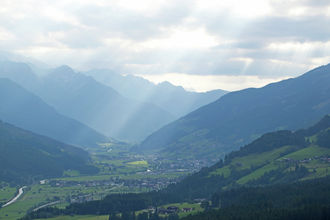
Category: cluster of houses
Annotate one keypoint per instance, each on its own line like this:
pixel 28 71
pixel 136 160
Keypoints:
pixel 148 183
pixel 169 210
pixel 91 183
pixel 325 159
pixel 307 160
pixel 180 165
pixel 81 198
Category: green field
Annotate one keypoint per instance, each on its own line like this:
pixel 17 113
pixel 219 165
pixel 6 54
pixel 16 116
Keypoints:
pixel 6 193
pixel 308 152
pixel 115 163
pixel 316 167
pixel 139 162
pixel 41 194
pixel 79 217
pixel 247 162
pixel 257 173
pixel 38 195
pixel 223 171
pixel 250 161
pixel 258 165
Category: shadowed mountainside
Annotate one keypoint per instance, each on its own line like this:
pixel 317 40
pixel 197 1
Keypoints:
pixel 23 109
pixel 25 156
pixel 239 117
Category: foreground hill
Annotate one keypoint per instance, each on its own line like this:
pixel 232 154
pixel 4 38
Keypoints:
pixel 25 156
pixel 277 157
pixel 23 109
pixel 306 200
pixel 239 117
pixel 173 99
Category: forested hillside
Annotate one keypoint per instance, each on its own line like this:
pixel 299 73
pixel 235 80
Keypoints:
pixel 277 157
pixel 26 157
pixel 240 117
pixel 302 200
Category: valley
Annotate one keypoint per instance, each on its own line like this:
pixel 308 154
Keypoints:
pixel 274 159
pixel 120 171
pixel 72 147
pixel 165 110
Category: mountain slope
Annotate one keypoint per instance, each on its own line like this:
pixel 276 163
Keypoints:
pixel 277 157
pixel 173 99
pixel 25 156
pixel 99 106
pixel 20 73
pixel 25 110
pixel 239 117
pixel 305 200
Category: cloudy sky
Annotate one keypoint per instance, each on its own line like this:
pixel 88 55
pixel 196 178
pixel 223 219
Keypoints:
pixel 200 44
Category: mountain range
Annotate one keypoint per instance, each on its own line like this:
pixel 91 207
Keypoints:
pixel 174 99
pixel 25 110
pixel 240 117
pixel 99 106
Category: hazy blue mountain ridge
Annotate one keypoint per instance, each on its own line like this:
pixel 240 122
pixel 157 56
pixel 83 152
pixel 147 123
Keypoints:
pixel 103 108
pixel 25 110
pixel 240 117
pixel 99 106
pixel 82 98
pixel 174 99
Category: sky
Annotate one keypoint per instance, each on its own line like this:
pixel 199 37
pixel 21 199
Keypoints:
pixel 199 44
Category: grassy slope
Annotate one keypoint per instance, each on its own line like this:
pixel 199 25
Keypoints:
pixel 254 160
pixel 273 160
pixel 7 193
pixel 308 152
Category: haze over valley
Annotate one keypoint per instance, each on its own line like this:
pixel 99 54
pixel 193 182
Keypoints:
pixel 164 110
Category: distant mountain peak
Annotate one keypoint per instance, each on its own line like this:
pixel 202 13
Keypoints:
pixel 26 110
pixel 63 69
pixel 14 67
pixel 241 116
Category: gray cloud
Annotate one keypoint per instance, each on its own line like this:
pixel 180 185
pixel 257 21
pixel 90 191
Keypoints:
pixel 313 28
pixel 133 25
pixel 89 35
pixel 282 5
